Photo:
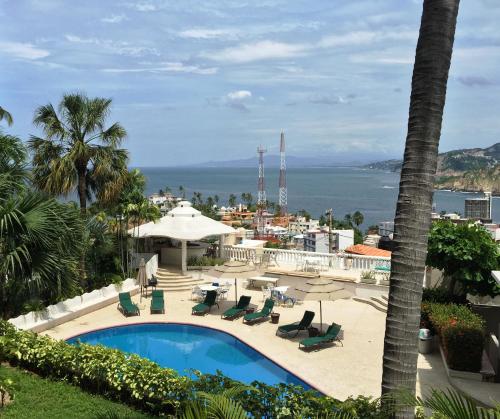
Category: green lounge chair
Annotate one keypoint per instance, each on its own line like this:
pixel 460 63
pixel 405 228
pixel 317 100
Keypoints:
pixel 206 305
pixel 238 309
pixel 304 324
pixel 260 315
pixel 126 306
pixel 157 302
pixel 331 335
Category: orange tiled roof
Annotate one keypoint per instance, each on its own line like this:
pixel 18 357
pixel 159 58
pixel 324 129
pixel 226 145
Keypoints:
pixel 362 249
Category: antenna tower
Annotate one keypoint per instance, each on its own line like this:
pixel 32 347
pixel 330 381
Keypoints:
pixel 261 194
pixel 282 200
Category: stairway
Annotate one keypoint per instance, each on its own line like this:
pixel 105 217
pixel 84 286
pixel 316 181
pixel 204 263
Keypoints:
pixel 378 303
pixel 175 281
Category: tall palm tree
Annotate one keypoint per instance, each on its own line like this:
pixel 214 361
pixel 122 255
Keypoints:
pixel 412 221
pixel 358 218
pixel 78 153
pixel 13 172
pixel 4 114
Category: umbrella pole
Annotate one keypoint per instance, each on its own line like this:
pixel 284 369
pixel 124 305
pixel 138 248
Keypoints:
pixel 320 318
pixel 235 291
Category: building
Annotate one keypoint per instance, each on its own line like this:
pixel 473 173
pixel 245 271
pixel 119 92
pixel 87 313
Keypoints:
pixel 318 240
pixel 361 249
pixel 479 208
pixel 300 225
pixel 386 228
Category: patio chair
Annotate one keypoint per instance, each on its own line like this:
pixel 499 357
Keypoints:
pixel 265 292
pixel 304 324
pixel 331 335
pixel 196 293
pixel 126 306
pixel 238 309
pixel 157 302
pixel 260 315
pixel 206 305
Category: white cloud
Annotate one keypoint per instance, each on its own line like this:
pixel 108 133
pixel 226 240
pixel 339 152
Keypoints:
pixel 144 6
pixel 121 48
pixel 23 50
pixel 239 95
pixel 365 38
pixel 257 51
pixel 201 33
pixel 167 67
pixel 114 18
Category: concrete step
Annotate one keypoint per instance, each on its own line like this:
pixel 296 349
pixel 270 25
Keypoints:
pixel 172 277
pixel 374 303
pixel 385 298
pixel 187 282
pixel 380 301
pixel 175 287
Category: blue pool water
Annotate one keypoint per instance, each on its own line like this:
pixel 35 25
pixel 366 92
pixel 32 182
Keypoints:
pixel 184 347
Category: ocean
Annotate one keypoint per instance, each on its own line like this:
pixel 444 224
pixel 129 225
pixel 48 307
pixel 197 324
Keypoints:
pixel 345 189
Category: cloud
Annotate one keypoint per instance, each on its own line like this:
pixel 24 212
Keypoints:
pixel 121 48
pixel 201 33
pixel 365 38
pixel 331 99
pixel 257 51
pixel 143 6
pixel 472 81
pixel 114 19
pixel 166 67
pixel 23 50
pixel 239 95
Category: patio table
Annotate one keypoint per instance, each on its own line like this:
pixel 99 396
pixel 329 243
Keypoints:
pixel 208 287
pixel 265 279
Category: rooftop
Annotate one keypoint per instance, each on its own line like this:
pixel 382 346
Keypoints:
pixel 362 249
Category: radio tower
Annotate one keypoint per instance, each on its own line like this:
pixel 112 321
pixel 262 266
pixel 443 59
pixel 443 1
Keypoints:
pixel 261 194
pixel 282 201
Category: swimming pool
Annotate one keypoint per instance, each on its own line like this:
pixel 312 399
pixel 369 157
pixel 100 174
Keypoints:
pixel 183 347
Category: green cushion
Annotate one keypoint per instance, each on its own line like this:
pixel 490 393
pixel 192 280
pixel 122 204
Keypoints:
pixel 233 312
pixel 313 341
pixel 289 327
pixel 200 307
pixel 256 315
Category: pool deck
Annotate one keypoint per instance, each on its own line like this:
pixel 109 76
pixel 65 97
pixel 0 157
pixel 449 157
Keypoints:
pixel 340 371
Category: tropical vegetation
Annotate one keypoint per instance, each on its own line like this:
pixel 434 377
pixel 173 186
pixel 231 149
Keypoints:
pixel 466 253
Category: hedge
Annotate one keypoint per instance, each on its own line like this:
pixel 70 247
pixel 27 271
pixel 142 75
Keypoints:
pixel 461 333
pixel 145 385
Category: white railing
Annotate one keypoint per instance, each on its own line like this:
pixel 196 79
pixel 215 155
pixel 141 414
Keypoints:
pixel 296 259
pixel 151 260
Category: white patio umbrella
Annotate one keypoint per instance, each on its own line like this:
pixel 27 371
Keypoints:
pixel 142 279
pixel 233 269
pixel 319 289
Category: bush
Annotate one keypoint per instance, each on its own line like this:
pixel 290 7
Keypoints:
pixel 461 333
pixel 442 295
pixel 204 261
pixel 144 384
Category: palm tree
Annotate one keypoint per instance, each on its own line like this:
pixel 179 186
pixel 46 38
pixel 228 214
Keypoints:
pixel 358 218
pixel 182 192
pixel 78 152
pixel 40 246
pixel 6 115
pixel 232 200
pixel 412 221
pixel 13 173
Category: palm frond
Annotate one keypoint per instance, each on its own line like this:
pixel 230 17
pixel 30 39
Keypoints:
pixel 5 115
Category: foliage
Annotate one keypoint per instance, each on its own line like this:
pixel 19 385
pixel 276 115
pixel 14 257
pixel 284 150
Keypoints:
pixel 441 295
pixel 368 277
pixel 77 153
pixel 461 333
pixel 467 254
pixel 40 245
pixel 5 115
pixel 41 398
pixel 217 406
pixel 7 388
pixel 358 218
pixel 449 404
pixel 204 261
pixel 208 207
pixel 13 173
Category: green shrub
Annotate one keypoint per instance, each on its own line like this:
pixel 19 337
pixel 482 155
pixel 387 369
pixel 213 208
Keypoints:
pixel 204 261
pixel 442 295
pixel 145 385
pixel 461 333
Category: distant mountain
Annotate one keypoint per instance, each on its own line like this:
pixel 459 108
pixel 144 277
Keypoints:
pixel 273 161
pixel 469 169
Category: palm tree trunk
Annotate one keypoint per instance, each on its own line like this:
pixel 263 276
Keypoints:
pixel 82 195
pixel 412 221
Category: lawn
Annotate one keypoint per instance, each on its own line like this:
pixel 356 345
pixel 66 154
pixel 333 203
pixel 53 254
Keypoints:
pixel 36 397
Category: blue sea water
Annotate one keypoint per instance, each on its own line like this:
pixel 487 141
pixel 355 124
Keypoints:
pixel 184 347
pixel 345 189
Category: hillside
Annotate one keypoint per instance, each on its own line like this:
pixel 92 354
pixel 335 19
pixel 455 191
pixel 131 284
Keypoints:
pixel 471 169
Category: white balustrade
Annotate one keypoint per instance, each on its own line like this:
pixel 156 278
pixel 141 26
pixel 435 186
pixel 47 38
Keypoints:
pixel 296 259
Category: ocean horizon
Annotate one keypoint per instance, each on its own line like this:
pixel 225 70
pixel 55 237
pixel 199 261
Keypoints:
pixel 315 189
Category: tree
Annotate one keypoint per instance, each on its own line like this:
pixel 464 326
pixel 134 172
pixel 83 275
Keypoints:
pixel 13 173
pixel 348 219
pixel 232 200
pixel 77 152
pixel 305 214
pixel 40 246
pixel 247 198
pixel 161 193
pixel 4 115
pixel 414 206
pixel 358 218
pixel 467 254
pixel 182 192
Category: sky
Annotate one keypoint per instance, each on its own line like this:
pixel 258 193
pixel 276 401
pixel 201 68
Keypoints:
pixel 193 81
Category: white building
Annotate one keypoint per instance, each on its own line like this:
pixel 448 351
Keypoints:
pixel 317 240
pixel 386 228
pixel 301 225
